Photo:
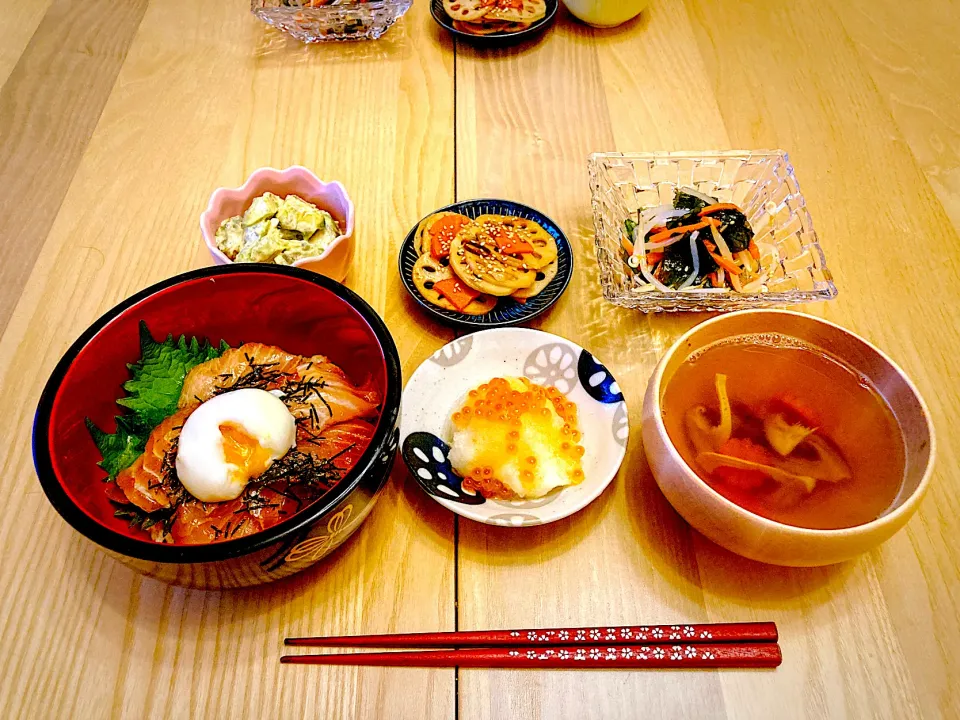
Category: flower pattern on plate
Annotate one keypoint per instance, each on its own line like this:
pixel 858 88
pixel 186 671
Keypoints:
pixel 452 353
pixel 552 365
pixel 427 456
pixel 597 380
pixel 621 425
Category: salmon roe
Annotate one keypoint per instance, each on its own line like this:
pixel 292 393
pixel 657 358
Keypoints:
pixel 501 407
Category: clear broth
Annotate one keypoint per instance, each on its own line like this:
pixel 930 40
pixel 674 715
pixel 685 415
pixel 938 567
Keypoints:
pixel 850 413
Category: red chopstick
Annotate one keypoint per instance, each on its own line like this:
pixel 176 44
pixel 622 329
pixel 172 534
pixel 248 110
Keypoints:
pixel 690 634
pixel 679 656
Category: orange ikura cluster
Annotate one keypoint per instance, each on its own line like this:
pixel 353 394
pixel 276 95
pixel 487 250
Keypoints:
pixel 499 411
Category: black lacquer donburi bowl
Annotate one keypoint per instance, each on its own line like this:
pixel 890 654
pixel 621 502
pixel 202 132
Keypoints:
pixel 297 310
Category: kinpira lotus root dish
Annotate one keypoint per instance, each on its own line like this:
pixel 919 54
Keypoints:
pixel 494 17
pixel 787 431
pixel 278 230
pixel 219 443
pixel 468 266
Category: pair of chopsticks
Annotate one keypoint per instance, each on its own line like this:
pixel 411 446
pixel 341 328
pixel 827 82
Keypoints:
pixel 726 645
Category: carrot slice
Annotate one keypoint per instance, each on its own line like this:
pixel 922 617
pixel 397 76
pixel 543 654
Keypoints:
pixel 456 292
pixel 442 233
pixel 745 450
pixel 512 244
pixel 653 258
pixel 730 267
pixel 796 410
pixel 716 207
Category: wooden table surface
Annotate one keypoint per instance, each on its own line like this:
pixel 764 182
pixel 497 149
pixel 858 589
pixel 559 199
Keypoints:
pixel 117 120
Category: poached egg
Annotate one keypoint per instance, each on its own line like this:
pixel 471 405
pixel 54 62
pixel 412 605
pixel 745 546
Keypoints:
pixel 231 439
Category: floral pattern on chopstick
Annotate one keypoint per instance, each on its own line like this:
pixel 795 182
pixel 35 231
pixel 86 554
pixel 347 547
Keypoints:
pixel 592 635
pixel 676 652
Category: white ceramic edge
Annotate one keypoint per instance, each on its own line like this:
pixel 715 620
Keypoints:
pixel 907 508
pixel 246 188
pixel 463 510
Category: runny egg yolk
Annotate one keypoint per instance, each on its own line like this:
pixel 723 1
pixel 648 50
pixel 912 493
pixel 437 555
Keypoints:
pixel 231 439
pixel 515 439
pixel 241 450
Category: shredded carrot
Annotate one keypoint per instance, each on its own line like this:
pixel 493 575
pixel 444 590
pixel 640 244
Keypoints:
pixel 754 250
pixel 627 245
pixel 730 267
pixel 683 229
pixel 653 258
pixel 709 245
pixel 716 207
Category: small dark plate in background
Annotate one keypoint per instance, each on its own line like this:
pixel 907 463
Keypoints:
pixel 445 21
pixel 508 311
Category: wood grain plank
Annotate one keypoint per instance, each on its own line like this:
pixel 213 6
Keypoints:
pixel 49 107
pixel 20 21
pixel 206 95
pixel 866 192
pixel 912 53
pixel 527 119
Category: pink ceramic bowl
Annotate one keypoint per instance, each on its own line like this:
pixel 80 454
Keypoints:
pixel 297 180
pixel 758 538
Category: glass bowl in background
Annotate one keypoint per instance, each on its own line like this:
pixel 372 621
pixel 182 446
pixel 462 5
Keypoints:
pixel 310 22
pixel 761 182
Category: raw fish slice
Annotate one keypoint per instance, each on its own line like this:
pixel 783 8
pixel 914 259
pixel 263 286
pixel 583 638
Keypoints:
pixel 210 378
pixel 201 523
pixel 313 387
pixel 145 483
pixel 334 398
pixel 345 442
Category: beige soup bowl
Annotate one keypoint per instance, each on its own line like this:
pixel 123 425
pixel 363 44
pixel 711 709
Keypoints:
pixel 755 537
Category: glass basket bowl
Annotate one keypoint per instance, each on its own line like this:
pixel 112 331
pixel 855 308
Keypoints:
pixel 310 22
pixel 761 182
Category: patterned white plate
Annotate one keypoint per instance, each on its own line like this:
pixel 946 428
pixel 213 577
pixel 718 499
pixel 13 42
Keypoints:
pixel 440 383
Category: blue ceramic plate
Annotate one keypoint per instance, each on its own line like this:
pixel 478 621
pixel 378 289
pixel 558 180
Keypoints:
pixel 508 311
pixel 437 388
pixel 446 22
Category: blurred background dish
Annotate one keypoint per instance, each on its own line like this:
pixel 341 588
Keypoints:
pixel 717 505
pixel 494 36
pixel 313 21
pixel 296 180
pixel 299 311
pixel 605 13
